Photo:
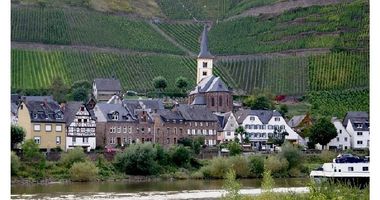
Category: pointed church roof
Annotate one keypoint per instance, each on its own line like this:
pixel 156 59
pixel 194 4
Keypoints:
pixel 204 53
pixel 210 84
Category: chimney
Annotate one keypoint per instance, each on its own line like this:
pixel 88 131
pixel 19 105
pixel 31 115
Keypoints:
pixel 63 106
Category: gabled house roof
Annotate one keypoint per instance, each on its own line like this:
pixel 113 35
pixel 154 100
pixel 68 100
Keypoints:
pixel 107 84
pixel 153 104
pixel 223 118
pixel 263 115
pixel 42 109
pixel 296 120
pixel 196 113
pixel 210 84
pixel 109 109
pixel 71 108
pixel 355 115
pixel 170 115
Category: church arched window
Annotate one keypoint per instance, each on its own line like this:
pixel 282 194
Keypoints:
pixel 212 101
pixel 220 100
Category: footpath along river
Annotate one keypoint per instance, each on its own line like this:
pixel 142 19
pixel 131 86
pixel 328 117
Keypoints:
pixel 163 189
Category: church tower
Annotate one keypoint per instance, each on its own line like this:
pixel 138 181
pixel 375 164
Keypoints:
pixel 205 59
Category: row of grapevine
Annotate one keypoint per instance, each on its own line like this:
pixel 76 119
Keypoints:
pixel 186 34
pixel 80 27
pixel 339 71
pixel 311 27
pixel 36 69
pixel 279 75
pixel 337 103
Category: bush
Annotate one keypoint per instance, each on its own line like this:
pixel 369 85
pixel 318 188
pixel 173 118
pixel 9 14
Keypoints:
pixel 291 154
pixel 83 171
pixel 232 186
pixel 276 165
pixel 234 148
pixel 294 172
pixel 138 159
pixel 256 165
pixel 180 156
pixel 240 165
pixel 106 169
pixel 218 167
pixel 72 156
pixel 15 164
pixel 327 156
pixel 197 175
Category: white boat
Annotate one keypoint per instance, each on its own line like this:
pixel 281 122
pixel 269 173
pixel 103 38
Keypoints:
pixel 345 168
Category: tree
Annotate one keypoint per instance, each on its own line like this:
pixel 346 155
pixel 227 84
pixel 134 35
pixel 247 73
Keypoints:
pixel 278 136
pixel 234 148
pixel 291 154
pixel 81 84
pixel 181 83
pixel 58 89
pixel 160 82
pixel 180 156
pixel 322 132
pixel 240 131
pixel 80 94
pixel 262 103
pixel 31 151
pixel 283 110
pixel 17 135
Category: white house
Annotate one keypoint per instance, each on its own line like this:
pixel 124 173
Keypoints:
pixel 260 125
pixel 103 89
pixel 229 124
pixel 357 125
pixel 343 139
pixel 81 126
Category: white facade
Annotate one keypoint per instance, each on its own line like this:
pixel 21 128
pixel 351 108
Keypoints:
pixel 343 139
pixel 81 131
pixel 359 138
pixel 259 132
pixel 229 129
pixel 204 68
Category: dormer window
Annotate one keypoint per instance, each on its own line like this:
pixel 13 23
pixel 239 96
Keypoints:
pixel 82 108
pixel 277 119
pixel 359 125
pixel 115 116
pixel 252 118
pixel 35 116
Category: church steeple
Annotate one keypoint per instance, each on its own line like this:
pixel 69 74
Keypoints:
pixel 205 59
pixel 204 53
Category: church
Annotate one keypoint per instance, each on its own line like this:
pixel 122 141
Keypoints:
pixel 210 91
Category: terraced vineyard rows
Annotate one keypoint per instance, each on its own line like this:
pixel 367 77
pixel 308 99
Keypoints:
pixel 339 71
pixel 62 26
pixel 337 103
pixel 36 69
pixel 281 75
pixel 311 27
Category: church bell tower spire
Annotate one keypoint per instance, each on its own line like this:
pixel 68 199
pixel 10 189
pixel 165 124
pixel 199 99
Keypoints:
pixel 205 58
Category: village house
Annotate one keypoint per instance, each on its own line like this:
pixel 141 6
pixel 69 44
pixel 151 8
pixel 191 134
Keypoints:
pixel 210 90
pixel 43 120
pixel 357 125
pixel 261 124
pixel 343 140
pixel 228 125
pixel 80 126
pixel 300 122
pixel 15 102
pixel 104 88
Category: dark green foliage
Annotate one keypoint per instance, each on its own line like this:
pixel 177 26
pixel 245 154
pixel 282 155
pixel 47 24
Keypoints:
pixel 72 156
pixel 80 94
pixel 105 168
pixel 278 137
pixel 83 171
pixel 291 154
pixel 323 131
pixel 34 159
pixel 138 159
pixel 58 89
pixel 256 165
pixel 180 156
pixel 181 83
pixel 234 148
pixel 262 103
pixel 283 110
pixel 81 84
pixel 160 83
pixel 17 135
pixel 15 164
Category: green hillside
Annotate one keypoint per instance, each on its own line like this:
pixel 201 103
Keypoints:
pixel 36 69
pixel 78 27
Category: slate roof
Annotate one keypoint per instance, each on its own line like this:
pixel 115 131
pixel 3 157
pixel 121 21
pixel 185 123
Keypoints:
pixel 296 120
pixel 196 113
pixel 223 118
pixel 210 84
pixel 14 108
pixel 263 115
pixel 357 118
pixel 37 98
pixel 199 100
pixel 107 84
pixel 71 108
pixel 44 111
pixel 169 115
pixel 153 104
pixel 108 109
pixel 15 98
pixel 204 53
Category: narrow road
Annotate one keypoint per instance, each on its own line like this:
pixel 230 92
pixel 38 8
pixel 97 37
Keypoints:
pixel 171 40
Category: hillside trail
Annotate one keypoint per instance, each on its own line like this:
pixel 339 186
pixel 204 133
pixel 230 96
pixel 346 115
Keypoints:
pixel 281 7
pixel 171 40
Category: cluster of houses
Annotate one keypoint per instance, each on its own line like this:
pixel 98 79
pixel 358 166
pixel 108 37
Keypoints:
pixel 108 121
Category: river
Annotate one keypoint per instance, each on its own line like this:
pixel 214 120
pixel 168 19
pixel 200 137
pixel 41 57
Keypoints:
pixel 163 189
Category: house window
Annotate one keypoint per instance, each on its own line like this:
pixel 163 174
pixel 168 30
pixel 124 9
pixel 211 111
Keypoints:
pixel 79 120
pixel 255 126
pixel 196 123
pixel 37 127
pixel 167 130
pixel 282 127
pixel 359 142
pixel 74 139
pixel 37 140
pixel 82 108
pixel 365 169
pixel 142 130
pixel 124 129
pixel 180 131
pixel 167 140
pixel 270 127
pixel 58 128
pixel 204 73
pixel 350 169
pixel 175 141
pixel 84 120
pixel 21 107
pixel 85 140
pixel 359 126
pixel 48 127
pixel 340 131
pixel 112 140
pixel 277 119
pixel 149 130
pixel 129 129
pixel 204 64
pixel 175 131
pixel 206 123
pixel 112 129
pixel 188 132
pixel 58 140
pixel 200 124
pixel 345 139
pixel 359 133
pixel 337 139
pixel 252 118
pixel 119 129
